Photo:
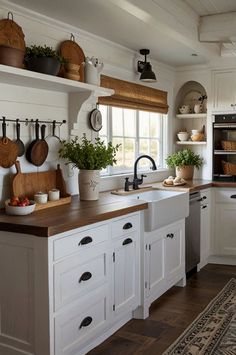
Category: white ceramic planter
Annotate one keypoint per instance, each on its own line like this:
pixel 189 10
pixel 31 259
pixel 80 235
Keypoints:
pixel 89 181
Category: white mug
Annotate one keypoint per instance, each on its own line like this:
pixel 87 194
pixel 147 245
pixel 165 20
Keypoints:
pixel 41 197
pixel 54 195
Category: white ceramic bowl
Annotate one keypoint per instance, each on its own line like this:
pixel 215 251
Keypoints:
pixel 184 109
pixel 195 131
pixel 182 136
pixel 19 210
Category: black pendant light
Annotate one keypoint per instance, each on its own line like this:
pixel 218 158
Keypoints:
pixel 145 68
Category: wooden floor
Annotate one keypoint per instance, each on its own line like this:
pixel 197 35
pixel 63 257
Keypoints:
pixel 169 315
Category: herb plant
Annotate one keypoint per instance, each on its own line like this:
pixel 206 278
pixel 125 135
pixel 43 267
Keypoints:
pixel 184 157
pixel 88 155
pixel 42 51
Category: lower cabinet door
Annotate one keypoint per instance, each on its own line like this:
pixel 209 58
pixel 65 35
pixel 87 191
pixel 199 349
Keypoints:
pixel 225 227
pixel 155 264
pixel 205 233
pixel 174 252
pixel 78 325
pixel 126 273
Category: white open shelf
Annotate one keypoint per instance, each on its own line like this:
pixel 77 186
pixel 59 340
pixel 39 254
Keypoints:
pixel 192 115
pixel 191 143
pixel 224 152
pixel 23 77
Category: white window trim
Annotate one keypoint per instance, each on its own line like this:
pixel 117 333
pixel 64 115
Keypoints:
pixel 162 139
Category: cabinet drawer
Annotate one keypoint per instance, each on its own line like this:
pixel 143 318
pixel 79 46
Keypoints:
pixel 73 277
pixel 79 241
pixel 75 328
pixel 205 196
pixel 125 225
pixel 225 196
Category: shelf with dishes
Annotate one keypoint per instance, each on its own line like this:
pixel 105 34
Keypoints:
pixel 191 143
pixel 191 115
pixel 26 78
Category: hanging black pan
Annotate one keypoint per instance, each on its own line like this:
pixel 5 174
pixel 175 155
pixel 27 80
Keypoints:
pixel 30 147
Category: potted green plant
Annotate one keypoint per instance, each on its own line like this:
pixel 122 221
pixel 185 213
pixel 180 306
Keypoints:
pixel 89 158
pixel 43 59
pixel 184 162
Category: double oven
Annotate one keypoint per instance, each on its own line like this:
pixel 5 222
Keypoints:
pixel 224 148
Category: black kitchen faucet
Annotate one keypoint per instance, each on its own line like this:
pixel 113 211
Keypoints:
pixel 138 181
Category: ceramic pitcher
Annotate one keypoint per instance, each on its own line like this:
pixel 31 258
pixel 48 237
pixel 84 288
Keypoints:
pixel 93 71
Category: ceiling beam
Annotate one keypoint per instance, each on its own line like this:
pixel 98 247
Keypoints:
pixel 217 28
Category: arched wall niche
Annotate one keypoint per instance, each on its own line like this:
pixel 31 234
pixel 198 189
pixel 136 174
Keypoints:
pixel 189 94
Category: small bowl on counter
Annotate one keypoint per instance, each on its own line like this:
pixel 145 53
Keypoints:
pixel 183 136
pixel 19 210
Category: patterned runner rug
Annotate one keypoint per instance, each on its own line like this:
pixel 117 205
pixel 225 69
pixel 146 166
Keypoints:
pixel 213 332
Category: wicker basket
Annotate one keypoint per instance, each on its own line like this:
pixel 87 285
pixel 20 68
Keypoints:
pixel 229 168
pixel 228 145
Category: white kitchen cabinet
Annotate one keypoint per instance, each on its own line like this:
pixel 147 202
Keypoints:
pixel 154 256
pixel 225 222
pixel 224 90
pixel 73 289
pixel 205 230
pixel 126 273
pixel 164 263
pixel 174 253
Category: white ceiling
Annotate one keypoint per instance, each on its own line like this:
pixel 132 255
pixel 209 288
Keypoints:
pixel 167 27
pixel 211 7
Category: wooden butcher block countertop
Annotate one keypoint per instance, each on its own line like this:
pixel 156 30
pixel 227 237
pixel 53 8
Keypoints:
pixel 51 221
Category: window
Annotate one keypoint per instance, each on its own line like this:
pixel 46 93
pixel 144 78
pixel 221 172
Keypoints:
pixel 139 132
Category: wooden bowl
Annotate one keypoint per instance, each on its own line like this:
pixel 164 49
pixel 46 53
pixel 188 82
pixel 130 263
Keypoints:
pixel 197 137
pixel 13 57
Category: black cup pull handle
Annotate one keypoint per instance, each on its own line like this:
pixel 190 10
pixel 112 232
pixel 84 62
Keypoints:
pixel 85 276
pixel 86 322
pixel 85 240
pixel 127 225
pixel 233 196
pixel 127 241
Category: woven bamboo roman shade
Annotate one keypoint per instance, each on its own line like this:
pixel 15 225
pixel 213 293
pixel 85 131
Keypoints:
pixel 134 96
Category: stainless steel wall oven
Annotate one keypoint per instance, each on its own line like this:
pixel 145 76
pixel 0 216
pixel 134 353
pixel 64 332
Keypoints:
pixel 224 148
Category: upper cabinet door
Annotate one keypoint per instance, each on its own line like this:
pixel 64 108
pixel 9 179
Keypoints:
pixel 224 90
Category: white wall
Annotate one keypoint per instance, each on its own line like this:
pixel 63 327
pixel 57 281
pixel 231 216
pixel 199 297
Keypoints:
pixel 18 102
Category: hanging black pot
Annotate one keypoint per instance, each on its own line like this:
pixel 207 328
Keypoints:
pixel 45 65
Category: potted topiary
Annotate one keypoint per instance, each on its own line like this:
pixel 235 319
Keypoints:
pixel 184 162
pixel 89 158
pixel 43 60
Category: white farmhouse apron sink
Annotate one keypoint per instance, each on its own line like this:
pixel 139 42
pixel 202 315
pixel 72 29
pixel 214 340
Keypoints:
pixel 164 207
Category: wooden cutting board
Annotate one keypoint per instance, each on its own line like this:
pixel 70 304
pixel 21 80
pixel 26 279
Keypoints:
pixel 74 54
pixel 11 33
pixel 27 184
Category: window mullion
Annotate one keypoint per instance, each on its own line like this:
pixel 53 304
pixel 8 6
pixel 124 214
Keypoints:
pixel 137 142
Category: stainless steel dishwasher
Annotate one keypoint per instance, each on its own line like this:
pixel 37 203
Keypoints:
pixel 192 232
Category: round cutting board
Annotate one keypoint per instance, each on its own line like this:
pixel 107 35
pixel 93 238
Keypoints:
pixel 74 54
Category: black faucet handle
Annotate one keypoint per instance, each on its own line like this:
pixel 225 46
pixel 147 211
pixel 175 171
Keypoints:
pixel 142 176
pixel 127 183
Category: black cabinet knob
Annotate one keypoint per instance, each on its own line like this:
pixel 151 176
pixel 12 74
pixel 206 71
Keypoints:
pixel 86 322
pixel 85 276
pixel 85 240
pixel 170 235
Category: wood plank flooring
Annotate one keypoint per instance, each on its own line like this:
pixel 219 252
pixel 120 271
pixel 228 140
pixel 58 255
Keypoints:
pixel 169 316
